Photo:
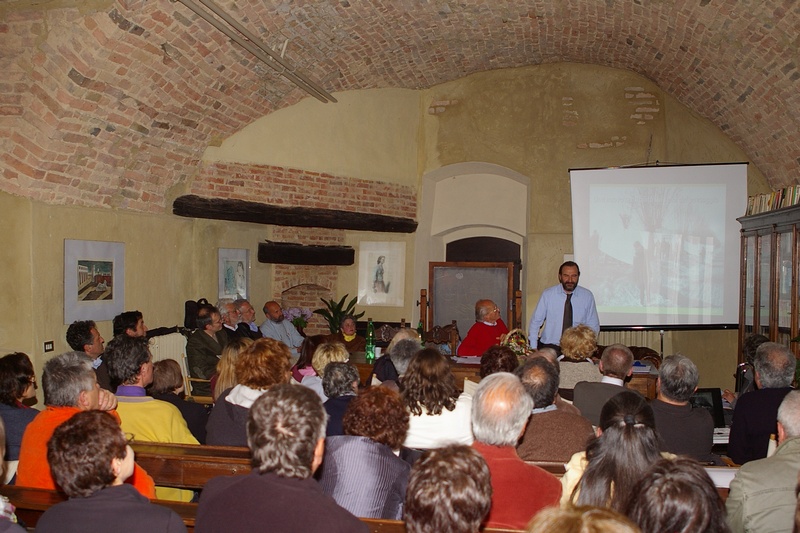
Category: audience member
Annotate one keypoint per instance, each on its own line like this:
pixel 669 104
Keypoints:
pixel 498 359
pixel 403 334
pixel 550 355
pixel 17 384
pixel 302 367
pixel 389 368
pixel 762 495
pixel 168 386
pixel 225 376
pixel 347 335
pixel 328 352
pixel 583 519
pixel 616 364
pixel 130 323
pixel 360 470
pixel 70 387
pixel 487 330
pixel 90 460
pixel 286 436
pixel 578 344
pixel 626 446
pixel 247 326
pixel 745 372
pixel 82 336
pixel 459 509
pixel 263 364
pixel 552 434
pixel 500 411
pixel 340 385
pixel 277 327
pixel 204 347
pixel 150 420
pixel 677 496
pixel 439 415
pixel 8 520
pixel 230 318
pixel 756 413
pixel 684 430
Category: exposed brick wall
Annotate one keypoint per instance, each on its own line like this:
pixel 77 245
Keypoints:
pixel 295 187
pixel 308 295
pixel 113 107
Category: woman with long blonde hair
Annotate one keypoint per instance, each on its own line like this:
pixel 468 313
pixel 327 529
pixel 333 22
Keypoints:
pixel 226 367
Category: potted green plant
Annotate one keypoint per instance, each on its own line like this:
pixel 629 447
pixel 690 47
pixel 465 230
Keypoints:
pixel 334 312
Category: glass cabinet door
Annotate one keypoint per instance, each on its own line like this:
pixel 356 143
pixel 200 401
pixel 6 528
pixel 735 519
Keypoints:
pixel 749 287
pixel 765 252
pixel 785 268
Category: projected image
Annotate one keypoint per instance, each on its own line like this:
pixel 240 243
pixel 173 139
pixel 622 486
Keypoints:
pixel 661 247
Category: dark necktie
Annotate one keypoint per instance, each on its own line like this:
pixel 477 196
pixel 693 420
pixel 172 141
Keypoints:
pixel 567 313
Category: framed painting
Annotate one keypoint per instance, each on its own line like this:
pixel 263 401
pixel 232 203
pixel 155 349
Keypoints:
pixel 94 280
pixel 381 273
pixel 234 273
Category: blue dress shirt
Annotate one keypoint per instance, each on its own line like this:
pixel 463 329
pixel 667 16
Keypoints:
pixel 550 312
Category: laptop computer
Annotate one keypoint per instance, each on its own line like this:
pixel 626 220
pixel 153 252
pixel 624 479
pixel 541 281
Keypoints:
pixel 711 400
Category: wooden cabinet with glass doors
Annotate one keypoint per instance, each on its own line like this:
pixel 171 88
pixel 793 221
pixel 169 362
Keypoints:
pixel 770 266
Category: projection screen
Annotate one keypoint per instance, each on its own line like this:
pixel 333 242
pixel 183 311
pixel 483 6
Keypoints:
pixel 659 246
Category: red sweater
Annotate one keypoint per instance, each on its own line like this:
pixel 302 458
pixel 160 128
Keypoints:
pixel 34 470
pixel 519 490
pixel 481 337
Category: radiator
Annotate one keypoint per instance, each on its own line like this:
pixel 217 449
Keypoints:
pixel 636 337
pixel 171 346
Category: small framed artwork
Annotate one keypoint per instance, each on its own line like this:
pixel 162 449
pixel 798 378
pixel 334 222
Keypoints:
pixel 381 273
pixel 94 280
pixel 234 273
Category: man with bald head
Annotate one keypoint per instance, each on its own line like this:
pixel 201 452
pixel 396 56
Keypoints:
pixel 616 364
pixel 485 332
pixel 278 328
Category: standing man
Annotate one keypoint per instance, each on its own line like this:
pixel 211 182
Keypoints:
pixel 276 327
pixel 82 336
pixel 561 307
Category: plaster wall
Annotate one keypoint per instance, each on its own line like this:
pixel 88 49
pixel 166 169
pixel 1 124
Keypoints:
pixel 370 134
pixel 168 260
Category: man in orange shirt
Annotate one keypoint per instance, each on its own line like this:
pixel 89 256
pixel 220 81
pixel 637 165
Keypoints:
pixel 70 386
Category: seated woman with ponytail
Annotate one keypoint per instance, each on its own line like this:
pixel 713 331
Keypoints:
pixel 626 445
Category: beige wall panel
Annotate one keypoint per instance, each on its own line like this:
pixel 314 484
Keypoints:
pixel 19 318
pixel 370 134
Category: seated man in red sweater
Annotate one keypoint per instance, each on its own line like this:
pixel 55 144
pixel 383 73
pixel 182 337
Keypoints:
pixel 485 332
pixel 500 410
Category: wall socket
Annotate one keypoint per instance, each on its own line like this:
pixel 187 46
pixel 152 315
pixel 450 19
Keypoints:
pixel 48 346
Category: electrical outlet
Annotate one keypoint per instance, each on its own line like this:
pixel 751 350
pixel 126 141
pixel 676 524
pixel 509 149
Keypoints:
pixel 48 346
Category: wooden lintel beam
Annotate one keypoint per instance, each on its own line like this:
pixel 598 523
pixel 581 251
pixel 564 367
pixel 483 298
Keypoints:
pixel 286 253
pixel 307 217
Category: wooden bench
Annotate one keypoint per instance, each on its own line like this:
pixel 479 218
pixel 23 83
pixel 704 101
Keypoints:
pixel 31 503
pixel 189 466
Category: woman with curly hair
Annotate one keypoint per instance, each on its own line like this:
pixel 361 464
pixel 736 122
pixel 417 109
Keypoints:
pixel 578 345
pixel 360 470
pixel 263 364
pixel 626 446
pixel 439 415
pixel 17 384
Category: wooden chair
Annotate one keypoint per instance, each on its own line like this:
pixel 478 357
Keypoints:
pixel 443 335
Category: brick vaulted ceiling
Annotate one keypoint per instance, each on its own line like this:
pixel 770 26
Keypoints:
pixel 112 103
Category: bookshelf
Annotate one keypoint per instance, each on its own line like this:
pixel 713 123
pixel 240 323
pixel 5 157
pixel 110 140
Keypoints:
pixel 769 297
pixel 761 203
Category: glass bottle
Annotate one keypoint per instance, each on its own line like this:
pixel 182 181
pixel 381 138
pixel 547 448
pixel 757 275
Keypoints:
pixel 370 349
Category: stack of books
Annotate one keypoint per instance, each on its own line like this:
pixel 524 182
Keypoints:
pixel 785 197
